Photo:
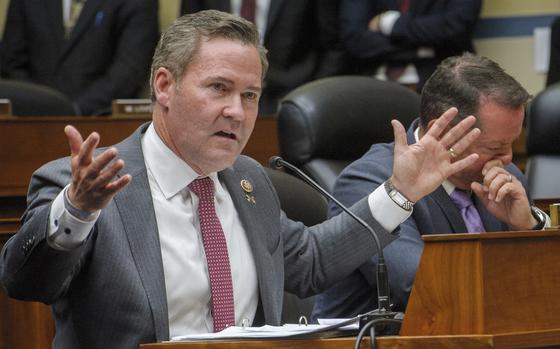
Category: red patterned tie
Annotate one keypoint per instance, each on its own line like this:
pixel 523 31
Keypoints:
pixel 217 257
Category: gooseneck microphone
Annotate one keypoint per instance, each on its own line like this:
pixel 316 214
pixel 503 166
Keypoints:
pixel 383 302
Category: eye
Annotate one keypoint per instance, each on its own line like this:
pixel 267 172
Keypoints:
pixel 251 96
pixel 218 86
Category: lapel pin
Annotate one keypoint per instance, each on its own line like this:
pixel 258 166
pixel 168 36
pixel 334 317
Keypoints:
pixel 248 189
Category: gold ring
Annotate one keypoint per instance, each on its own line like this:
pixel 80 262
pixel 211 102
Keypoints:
pixel 509 178
pixel 452 152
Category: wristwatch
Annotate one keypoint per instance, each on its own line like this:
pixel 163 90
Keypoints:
pixel 397 197
pixel 539 216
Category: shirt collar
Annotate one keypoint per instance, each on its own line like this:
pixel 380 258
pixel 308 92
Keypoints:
pixel 170 172
pixel 447 185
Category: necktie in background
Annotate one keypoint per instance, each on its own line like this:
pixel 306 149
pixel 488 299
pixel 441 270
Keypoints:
pixel 217 257
pixel 469 212
pixel 248 10
pixel 75 10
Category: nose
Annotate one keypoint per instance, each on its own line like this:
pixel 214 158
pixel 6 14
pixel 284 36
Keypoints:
pixel 234 109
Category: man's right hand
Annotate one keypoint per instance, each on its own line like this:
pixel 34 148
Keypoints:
pixel 93 182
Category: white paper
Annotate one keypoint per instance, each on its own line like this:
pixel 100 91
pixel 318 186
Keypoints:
pixel 541 36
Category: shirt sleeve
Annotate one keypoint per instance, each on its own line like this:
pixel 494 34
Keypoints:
pixel 69 226
pixel 386 211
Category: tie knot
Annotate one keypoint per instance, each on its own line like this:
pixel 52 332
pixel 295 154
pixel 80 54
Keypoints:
pixel 461 198
pixel 202 187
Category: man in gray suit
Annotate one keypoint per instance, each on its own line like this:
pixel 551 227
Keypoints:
pixel 118 243
pixel 477 86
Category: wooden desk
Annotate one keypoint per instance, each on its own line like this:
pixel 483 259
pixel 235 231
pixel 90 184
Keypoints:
pixel 506 341
pixel 26 143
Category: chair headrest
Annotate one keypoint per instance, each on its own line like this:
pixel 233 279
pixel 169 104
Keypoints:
pixel 341 117
pixel 543 123
pixel 29 99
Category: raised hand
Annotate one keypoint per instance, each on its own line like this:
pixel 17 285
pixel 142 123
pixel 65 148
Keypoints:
pixel 93 182
pixel 419 168
pixel 504 196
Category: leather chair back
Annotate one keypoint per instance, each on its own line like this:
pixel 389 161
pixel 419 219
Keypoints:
pixel 326 124
pixel 543 144
pixel 29 99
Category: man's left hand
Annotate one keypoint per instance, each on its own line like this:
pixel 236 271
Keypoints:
pixel 504 196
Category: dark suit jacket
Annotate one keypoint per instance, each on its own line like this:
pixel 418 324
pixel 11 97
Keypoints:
pixel 445 25
pixel 302 41
pixel 433 214
pixel 553 74
pixel 107 55
pixel 110 291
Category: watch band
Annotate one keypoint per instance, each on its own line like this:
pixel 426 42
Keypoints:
pixel 539 216
pixel 397 197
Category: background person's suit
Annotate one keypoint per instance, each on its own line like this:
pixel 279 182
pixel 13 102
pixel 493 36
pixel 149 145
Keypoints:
pixel 302 41
pixel 445 25
pixel 106 56
pixel 433 214
pixel 110 292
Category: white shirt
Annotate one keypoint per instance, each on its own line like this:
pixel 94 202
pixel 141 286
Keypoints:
pixel 184 263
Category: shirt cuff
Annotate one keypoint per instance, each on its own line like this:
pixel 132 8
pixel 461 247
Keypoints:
pixel 387 21
pixel 385 211
pixel 67 231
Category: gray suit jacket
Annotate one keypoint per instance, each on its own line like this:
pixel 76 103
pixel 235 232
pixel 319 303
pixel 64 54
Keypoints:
pixel 433 214
pixel 110 292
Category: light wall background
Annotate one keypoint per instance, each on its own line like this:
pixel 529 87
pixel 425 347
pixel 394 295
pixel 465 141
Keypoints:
pixel 504 34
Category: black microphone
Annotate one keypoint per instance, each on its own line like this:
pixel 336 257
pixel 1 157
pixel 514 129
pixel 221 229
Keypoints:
pixel 383 302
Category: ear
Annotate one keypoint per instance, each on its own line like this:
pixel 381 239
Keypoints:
pixel 164 84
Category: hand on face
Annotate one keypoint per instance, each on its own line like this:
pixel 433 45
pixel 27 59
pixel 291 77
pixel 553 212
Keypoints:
pixel 421 167
pixel 93 184
pixel 504 196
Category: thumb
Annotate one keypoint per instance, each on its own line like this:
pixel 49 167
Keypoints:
pixel 479 192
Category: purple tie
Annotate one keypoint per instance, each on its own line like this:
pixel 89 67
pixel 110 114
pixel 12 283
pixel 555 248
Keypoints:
pixel 248 8
pixel 469 212
pixel 215 248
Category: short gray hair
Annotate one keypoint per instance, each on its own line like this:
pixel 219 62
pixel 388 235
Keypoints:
pixel 180 43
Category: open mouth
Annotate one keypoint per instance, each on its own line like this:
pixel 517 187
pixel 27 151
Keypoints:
pixel 226 134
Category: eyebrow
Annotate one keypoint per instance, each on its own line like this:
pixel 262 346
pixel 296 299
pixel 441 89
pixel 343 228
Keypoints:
pixel 231 82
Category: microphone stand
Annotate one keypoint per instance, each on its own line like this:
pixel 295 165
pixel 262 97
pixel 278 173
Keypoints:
pixel 383 311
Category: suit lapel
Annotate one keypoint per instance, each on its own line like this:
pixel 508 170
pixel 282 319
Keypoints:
pixel 449 210
pixel 84 20
pixel 273 14
pixel 255 229
pixel 53 9
pixel 135 207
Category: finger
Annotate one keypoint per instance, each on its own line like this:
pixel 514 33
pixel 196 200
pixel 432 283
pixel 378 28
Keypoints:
pixel 400 136
pixel 442 122
pixel 504 191
pixel 107 174
pixel 75 139
pixel 85 157
pixel 459 165
pixel 490 164
pixel 491 175
pixel 455 134
pixel 462 144
pixel 100 162
pixel 116 185
pixel 499 181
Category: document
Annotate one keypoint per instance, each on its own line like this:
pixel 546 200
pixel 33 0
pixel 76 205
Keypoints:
pixel 336 328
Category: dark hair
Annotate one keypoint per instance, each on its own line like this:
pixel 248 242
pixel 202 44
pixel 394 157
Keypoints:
pixel 461 81
pixel 180 43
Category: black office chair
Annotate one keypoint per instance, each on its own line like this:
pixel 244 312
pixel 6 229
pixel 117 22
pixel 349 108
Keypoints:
pixel 326 124
pixel 30 99
pixel 543 144
pixel 301 203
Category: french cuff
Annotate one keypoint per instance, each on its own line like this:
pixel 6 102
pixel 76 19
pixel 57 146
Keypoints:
pixel 387 21
pixel 67 231
pixel 543 220
pixel 385 211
